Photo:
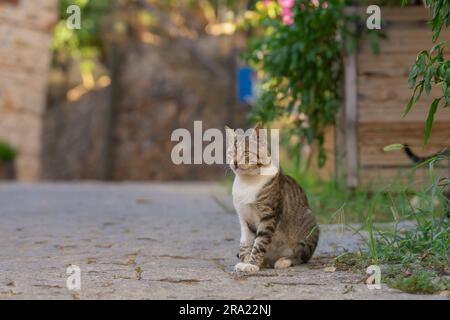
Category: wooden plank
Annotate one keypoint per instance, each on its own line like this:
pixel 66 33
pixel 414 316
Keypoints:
pixel 398 14
pixel 351 120
pixel 387 89
pixel 374 137
pixel 386 65
pixel 413 33
pixel 339 149
pixel 391 46
pixel 392 112
pixel 374 155
pixel 401 14
pixel 403 40
pixel 383 93
pixel 412 133
pixel 389 178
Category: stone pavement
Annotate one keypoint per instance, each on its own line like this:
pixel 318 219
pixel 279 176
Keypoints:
pixel 150 241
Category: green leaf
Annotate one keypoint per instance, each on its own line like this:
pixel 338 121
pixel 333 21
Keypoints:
pixel 437 46
pixel 430 120
pixel 411 100
pixel 413 76
pixel 427 78
pixel 409 106
pixel 420 92
pixel 393 147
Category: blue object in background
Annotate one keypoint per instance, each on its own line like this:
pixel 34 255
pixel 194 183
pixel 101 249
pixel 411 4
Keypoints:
pixel 245 84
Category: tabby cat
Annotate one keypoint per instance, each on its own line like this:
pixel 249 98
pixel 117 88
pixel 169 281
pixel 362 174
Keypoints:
pixel 278 229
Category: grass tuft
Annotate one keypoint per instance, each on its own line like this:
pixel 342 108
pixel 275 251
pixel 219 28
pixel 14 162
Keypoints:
pixel 419 282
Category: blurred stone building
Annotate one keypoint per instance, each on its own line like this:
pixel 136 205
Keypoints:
pixel 161 78
pixel 160 87
pixel 119 131
pixel 25 35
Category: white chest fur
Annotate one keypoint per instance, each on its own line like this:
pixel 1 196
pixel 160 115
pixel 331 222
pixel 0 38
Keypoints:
pixel 245 191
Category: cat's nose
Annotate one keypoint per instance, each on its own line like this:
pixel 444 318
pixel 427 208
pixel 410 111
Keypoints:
pixel 235 163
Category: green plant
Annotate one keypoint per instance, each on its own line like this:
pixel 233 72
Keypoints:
pixel 416 246
pixel 299 59
pixel 421 247
pixel 418 254
pixel 108 25
pixel 87 44
pixel 7 153
pixel 418 281
pixel 334 203
pixel 431 68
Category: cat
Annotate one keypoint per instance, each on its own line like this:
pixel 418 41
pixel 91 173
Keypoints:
pixel 278 229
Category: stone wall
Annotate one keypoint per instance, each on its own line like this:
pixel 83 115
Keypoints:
pixel 74 138
pixel 25 34
pixel 159 88
pixel 166 86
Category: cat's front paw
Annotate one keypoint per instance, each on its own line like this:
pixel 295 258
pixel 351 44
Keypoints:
pixel 246 267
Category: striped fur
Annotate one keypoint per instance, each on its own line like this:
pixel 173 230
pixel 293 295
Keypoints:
pixel 278 229
pixel 286 223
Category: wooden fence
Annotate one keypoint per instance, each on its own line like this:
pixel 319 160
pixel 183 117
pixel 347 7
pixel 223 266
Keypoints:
pixel 377 93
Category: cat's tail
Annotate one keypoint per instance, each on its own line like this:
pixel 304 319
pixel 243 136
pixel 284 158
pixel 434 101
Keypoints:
pixel 307 246
pixel 411 155
pixel 417 159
